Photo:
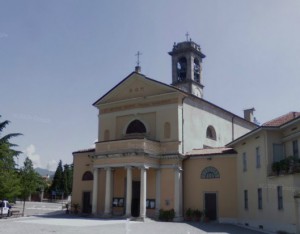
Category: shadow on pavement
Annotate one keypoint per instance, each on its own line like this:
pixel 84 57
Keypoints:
pixel 62 215
pixel 220 227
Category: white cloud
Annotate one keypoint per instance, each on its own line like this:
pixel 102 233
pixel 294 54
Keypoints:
pixel 30 152
pixel 2 35
pixel 52 165
pixel 93 145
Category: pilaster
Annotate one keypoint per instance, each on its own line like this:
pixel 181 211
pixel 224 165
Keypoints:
pixel 178 193
pixel 158 191
pixel 95 191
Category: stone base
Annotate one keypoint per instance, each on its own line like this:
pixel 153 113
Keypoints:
pixel 178 219
pixel 106 216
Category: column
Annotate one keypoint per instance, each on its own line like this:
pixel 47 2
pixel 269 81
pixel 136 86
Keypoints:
pixel 178 193
pixel 143 193
pixel 297 206
pixel 128 191
pixel 158 194
pixel 107 207
pixel 95 191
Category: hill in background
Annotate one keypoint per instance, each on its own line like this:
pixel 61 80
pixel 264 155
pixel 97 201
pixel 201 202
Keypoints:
pixel 44 172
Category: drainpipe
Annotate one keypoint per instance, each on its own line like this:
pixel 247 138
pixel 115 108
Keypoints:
pixel 232 127
pixel 182 128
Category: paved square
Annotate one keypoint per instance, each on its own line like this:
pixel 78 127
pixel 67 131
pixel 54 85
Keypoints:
pixel 47 218
pixel 67 224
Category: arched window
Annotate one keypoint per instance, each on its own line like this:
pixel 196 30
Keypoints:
pixel 167 130
pixel 181 69
pixel 106 135
pixel 211 133
pixel 87 176
pixel 196 70
pixel 136 126
pixel 210 173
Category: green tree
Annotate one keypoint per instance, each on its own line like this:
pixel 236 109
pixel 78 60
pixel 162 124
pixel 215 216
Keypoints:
pixel 68 179
pixel 57 185
pixel 62 180
pixel 9 181
pixel 30 181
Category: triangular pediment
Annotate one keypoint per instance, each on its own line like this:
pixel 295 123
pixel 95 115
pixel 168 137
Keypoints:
pixel 134 86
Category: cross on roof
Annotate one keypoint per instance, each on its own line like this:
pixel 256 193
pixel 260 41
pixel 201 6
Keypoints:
pixel 187 36
pixel 138 54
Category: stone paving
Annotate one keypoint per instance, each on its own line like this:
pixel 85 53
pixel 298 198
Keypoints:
pixel 50 218
pixel 67 224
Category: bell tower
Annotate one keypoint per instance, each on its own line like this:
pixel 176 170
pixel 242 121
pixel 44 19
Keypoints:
pixel 187 66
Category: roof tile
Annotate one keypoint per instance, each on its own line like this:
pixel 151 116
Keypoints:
pixel 85 151
pixel 282 119
pixel 211 151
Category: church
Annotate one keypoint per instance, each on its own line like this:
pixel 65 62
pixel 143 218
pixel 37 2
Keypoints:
pixel 161 147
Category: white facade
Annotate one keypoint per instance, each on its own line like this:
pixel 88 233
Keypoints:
pixel 200 114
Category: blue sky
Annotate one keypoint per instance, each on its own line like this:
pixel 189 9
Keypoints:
pixel 58 57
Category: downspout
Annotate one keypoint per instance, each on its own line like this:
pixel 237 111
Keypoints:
pixel 182 128
pixel 182 148
pixel 232 127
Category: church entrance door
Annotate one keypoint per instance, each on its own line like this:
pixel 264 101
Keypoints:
pixel 211 206
pixel 135 203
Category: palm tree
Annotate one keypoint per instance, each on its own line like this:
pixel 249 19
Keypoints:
pixel 9 180
pixel 5 139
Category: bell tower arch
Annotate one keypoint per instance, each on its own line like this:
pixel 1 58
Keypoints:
pixel 187 66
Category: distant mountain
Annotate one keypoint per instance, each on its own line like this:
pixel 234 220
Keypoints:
pixel 44 172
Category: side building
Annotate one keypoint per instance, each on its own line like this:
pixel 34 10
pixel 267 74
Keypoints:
pixel 268 175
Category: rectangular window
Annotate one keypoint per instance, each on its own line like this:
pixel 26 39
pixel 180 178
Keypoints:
pixel 257 157
pixel 244 162
pixel 259 196
pixel 279 197
pixel 295 148
pixel 278 152
pixel 246 199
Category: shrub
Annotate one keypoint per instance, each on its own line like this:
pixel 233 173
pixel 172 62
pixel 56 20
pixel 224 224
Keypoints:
pixel 276 167
pixel 76 208
pixel 197 215
pixel 282 232
pixel 166 215
pixel 189 214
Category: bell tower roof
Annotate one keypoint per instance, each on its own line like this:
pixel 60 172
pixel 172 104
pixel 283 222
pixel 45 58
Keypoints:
pixel 186 46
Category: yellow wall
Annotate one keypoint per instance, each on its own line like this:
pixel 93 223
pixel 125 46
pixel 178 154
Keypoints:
pixel 270 217
pixel 82 163
pixel 167 188
pixel 225 187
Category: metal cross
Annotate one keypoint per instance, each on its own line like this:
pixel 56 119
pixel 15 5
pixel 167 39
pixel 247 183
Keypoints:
pixel 138 54
pixel 187 36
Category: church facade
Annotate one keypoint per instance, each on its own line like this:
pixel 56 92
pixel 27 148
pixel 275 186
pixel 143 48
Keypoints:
pixel 161 147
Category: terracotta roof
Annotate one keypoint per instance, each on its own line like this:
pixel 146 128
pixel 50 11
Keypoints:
pixel 211 151
pixel 84 151
pixel 282 119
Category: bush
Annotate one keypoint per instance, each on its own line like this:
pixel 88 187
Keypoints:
pixel 76 208
pixel 282 232
pixel 287 165
pixel 193 214
pixel 189 213
pixel 166 215
pixel 276 167
pixel 197 214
